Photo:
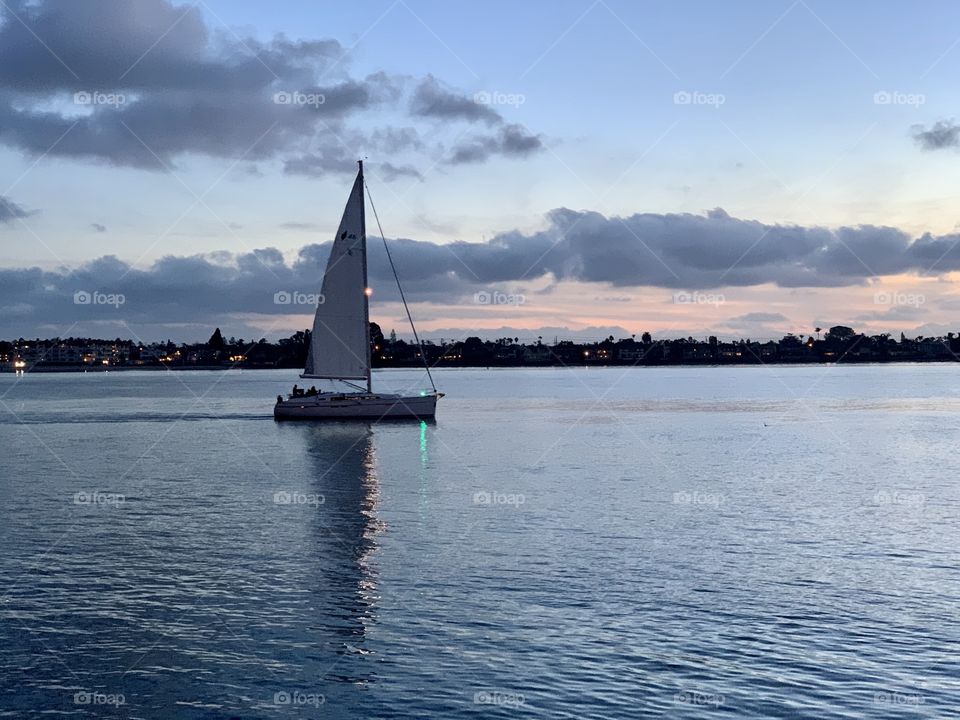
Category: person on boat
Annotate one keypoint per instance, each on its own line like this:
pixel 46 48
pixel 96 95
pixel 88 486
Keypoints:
pixel 312 391
pixel 297 391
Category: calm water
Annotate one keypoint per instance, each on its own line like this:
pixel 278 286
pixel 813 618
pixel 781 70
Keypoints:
pixel 685 542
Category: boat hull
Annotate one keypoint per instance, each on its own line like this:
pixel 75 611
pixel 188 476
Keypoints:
pixel 356 406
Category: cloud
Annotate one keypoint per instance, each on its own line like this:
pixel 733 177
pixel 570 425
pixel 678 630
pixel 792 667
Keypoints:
pixel 392 172
pixel 9 210
pixel 299 226
pixel 943 134
pixel 118 103
pixel 894 315
pixel 431 100
pixel 675 251
pixel 97 227
pixel 760 317
pixel 139 84
pixel 511 141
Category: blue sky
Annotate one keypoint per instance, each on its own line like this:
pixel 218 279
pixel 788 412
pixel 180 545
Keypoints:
pixel 786 127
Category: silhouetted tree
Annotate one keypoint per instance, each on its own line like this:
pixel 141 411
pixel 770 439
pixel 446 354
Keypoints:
pixel 376 336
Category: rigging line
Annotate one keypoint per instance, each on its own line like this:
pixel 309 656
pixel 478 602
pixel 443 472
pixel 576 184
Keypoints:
pixel 396 277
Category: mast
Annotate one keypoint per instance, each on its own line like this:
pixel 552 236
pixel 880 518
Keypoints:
pixel 366 282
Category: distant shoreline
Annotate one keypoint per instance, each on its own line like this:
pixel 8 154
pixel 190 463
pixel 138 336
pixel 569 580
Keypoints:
pixel 48 370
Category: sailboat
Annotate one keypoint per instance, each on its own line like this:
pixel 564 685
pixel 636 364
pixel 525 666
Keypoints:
pixel 340 342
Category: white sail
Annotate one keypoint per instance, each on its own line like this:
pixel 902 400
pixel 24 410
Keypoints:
pixel 340 343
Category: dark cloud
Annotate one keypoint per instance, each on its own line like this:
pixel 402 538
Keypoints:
pixel 389 171
pixel 943 134
pixel 148 82
pixel 139 83
pixel 513 141
pixel 677 251
pixel 9 210
pixel 431 100
pixel 98 227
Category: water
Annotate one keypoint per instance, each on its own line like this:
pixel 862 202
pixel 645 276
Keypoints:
pixel 605 543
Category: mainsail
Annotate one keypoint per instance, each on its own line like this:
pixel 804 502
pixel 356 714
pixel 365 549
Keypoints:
pixel 340 343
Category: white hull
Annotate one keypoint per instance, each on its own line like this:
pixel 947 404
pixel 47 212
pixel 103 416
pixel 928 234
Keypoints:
pixel 367 406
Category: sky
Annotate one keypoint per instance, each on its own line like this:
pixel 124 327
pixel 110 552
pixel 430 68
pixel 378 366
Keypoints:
pixel 573 169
